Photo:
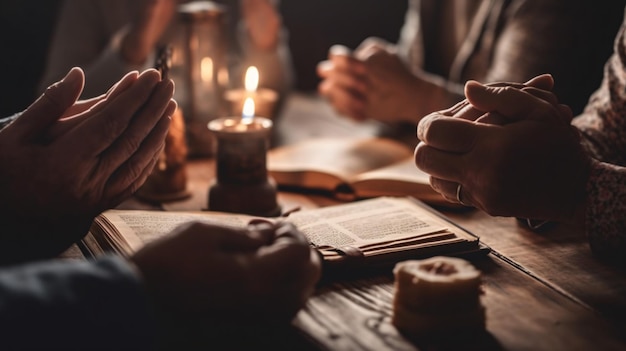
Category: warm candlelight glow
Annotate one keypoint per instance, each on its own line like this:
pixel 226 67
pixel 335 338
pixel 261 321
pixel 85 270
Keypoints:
pixel 206 69
pixel 252 79
pixel 248 111
pixel 223 77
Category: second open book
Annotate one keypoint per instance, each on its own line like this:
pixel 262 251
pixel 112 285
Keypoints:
pixel 376 231
pixel 352 168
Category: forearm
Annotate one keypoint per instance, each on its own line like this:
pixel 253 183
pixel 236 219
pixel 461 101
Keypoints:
pixel 71 304
pixel 432 93
pixel 605 218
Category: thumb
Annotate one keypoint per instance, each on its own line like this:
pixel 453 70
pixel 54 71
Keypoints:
pixel 339 50
pixel 373 45
pixel 51 105
pixel 543 82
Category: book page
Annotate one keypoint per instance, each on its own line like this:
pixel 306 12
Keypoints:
pixel 338 158
pixel 374 223
pixel 139 227
pixel 399 179
pixel 405 171
pixel 377 226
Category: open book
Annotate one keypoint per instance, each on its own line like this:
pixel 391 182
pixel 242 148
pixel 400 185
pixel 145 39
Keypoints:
pixel 374 232
pixel 352 169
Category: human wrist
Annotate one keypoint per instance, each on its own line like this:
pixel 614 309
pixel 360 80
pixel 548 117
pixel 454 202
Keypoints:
pixel 434 93
pixel 412 108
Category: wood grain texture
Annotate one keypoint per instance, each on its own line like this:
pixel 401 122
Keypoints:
pixel 522 314
pixel 559 256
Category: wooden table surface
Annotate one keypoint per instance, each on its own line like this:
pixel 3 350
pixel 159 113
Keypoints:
pixel 542 291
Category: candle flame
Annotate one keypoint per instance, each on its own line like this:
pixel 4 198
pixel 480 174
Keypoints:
pixel 206 69
pixel 252 79
pixel 248 111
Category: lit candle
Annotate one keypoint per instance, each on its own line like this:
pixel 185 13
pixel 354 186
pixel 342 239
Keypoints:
pixel 263 98
pixel 251 82
pixel 242 184
pixel 206 72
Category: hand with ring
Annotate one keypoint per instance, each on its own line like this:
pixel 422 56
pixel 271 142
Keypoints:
pixel 507 150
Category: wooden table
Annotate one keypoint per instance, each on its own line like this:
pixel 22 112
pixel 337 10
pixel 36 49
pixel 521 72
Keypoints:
pixel 542 291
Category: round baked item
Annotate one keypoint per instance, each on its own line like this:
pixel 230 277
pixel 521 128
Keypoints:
pixel 437 296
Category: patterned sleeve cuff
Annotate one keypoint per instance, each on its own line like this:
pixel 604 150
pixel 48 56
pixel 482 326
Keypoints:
pixel 606 208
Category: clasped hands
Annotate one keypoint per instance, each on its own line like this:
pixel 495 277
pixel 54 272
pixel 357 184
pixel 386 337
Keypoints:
pixel 259 274
pixel 512 149
pixel 67 160
pixel 372 82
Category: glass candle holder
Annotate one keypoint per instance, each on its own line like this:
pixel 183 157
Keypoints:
pixel 265 100
pixel 200 69
pixel 242 183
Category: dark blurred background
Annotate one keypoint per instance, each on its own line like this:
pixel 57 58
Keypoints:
pixel 316 25
pixel 26 27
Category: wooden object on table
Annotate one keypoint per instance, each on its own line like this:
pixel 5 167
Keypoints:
pixel 168 180
pixel 522 314
pixel 559 257
pixel 242 184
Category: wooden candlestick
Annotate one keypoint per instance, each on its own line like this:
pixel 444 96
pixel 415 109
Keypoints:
pixel 168 180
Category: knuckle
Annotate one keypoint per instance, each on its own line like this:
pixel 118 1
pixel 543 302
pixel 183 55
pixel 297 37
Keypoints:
pixel 501 90
pixel 423 127
pixel 419 156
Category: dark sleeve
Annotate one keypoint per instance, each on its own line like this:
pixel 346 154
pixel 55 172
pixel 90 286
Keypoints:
pixel 82 305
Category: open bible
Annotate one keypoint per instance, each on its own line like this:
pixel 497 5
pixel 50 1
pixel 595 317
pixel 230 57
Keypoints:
pixel 373 232
pixel 351 169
